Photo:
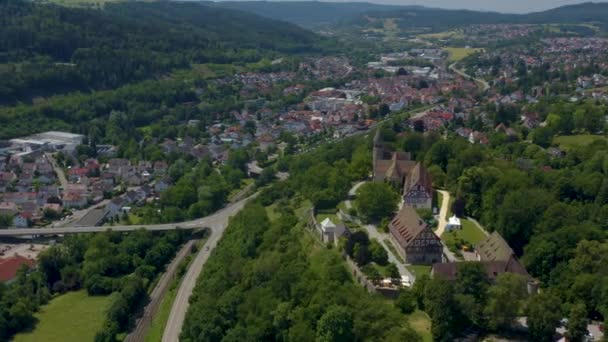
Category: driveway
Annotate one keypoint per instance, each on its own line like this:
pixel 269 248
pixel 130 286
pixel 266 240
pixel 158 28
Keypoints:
pixel 443 213
pixel 352 193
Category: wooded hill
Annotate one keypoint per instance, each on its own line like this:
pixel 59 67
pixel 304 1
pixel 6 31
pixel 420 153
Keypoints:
pixel 47 49
pixel 313 13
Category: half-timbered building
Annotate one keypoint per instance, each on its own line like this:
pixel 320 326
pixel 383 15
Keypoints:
pixel 414 240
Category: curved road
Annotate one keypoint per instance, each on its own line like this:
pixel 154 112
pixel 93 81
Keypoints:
pixel 217 219
pixel 483 83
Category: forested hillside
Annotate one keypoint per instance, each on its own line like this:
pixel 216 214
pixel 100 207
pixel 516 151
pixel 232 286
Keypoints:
pixel 47 49
pixel 306 13
pixel 268 281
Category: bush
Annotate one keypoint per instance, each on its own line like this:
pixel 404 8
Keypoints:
pixel 406 302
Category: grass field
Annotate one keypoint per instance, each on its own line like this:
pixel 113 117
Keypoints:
pixel 421 322
pixel 457 54
pixel 74 316
pixel 419 270
pixel 569 141
pixel 470 233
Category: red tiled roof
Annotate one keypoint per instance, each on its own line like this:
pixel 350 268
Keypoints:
pixel 10 266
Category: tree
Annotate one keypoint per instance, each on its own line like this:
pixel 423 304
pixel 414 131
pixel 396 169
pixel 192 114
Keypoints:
pixel 383 110
pixel 505 300
pixel 378 253
pixel 544 313
pixel 393 271
pixel 406 302
pixel 471 280
pixel 458 207
pixel 5 221
pixel 577 323
pixel 419 290
pixel 440 304
pixel 376 201
pixel 336 325
pixel 542 136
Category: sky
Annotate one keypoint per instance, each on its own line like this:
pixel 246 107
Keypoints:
pixel 506 6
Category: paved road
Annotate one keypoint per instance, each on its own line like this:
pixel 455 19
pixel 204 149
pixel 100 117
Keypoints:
pixel 143 324
pixel 443 213
pixel 214 220
pixel 485 86
pixel 59 171
pixel 181 303
pixel 351 194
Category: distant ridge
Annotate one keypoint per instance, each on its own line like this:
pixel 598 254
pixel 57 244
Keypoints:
pixel 315 13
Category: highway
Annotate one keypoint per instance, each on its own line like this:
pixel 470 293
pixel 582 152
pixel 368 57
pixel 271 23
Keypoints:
pixel 218 219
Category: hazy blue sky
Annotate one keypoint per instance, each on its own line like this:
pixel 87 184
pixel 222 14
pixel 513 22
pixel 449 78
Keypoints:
pixel 510 6
pixel 514 6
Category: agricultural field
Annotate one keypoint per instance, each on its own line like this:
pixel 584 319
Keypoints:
pixel 457 54
pixel 72 317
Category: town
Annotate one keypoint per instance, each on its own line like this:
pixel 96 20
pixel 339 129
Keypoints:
pixel 405 177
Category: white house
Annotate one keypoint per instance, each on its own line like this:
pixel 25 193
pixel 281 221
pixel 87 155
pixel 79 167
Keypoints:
pixel 330 232
pixel 453 224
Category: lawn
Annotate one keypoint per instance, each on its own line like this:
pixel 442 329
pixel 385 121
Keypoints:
pixel 74 316
pixel 458 54
pixel 567 142
pixel 469 233
pixel 421 322
pixel 420 270
pixel 323 215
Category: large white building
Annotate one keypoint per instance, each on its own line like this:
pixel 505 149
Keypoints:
pixel 51 140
